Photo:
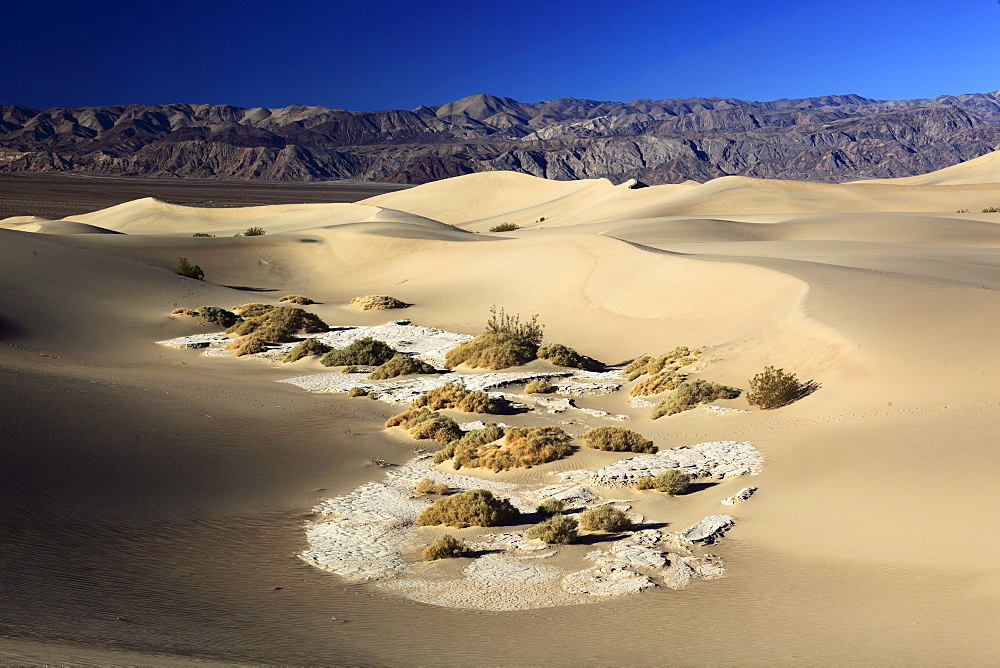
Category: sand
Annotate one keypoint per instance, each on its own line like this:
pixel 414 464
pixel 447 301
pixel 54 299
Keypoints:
pixel 154 499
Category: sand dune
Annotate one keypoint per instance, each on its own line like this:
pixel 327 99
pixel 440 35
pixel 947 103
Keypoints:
pixel 984 169
pixel 876 291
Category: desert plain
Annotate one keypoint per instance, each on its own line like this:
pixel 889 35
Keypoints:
pixel 155 499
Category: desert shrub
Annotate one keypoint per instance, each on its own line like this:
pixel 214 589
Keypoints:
pixel 691 393
pixel 521 448
pixel 492 350
pixel 670 481
pixel 962 211
pixel 379 302
pixel 251 344
pixel 218 316
pixel 501 323
pixel 254 232
pixel 357 392
pixel 636 365
pixel 560 355
pixel 605 518
pixel 476 507
pixel 467 446
pixel 992 209
pixel 185 268
pixel 306 348
pixel 676 358
pixel 454 395
pixel 445 547
pixel 556 529
pixel 400 365
pixel 617 439
pixel 773 388
pixel 478 401
pixel 297 299
pixel 425 486
pixel 183 311
pixel 280 324
pixel 551 507
pixel 251 310
pixel 505 227
pixel 539 386
pixel 366 351
pixel 426 424
pixel 660 381
pixel 202 234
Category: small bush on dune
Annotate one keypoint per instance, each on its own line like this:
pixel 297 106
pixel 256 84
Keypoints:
pixel 454 395
pixel 185 268
pixel 617 439
pixel 492 350
pixel 465 448
pixel 502 323
pixel 183 311
pixel 992 209
pixel 675 359
pixel 539 386
pixel 400 365
pixel 551 507
pixel 379 302
pixel 557 529
pixel 476 507
pixel 366 351
pixel 505 227
pixel 773 388
pixel 280 324
pixel 251 310
pixel 560 355
pixel 480 402
pixel 357 392
pixel 445 547
pixel 251 344
pixel 661 381
pixel 425 424
pixel 306 348
pixel 425 486
pixel 297 299
pixel 219 316
pixel 521 448
pixel 670 481
pixel 691 393
pixel 605 518
pixel 202 234
pixel 254 232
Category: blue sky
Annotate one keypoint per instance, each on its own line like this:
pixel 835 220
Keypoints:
pixel 398 55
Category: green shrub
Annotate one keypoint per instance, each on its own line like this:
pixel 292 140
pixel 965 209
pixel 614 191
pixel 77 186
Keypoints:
pixel 501 323
pixel 378 302
pixel 185 268
pixel 670 481
pixel 521 448
pixel 617 439
pixel 445 547
pixel 505 227
pixel 425 424
pixel 202 234
pixel 219 316
pixel 773 388
pixel 493 350
pixel 539 386
pixel 254 232
pixel 691 393
pixel 476 507
pixel 366 351
pixel 560 355
pixel 551 507
pixel 556 529
pixel 280 324
pixel 661 381
pixel 251 310
pixel 251 344
pixel 454 395
pixel 297 299
pixel 467 446
pixel 306 348
pixel 401 364
pixel 357 392
pixel 675 359
pixel 605 518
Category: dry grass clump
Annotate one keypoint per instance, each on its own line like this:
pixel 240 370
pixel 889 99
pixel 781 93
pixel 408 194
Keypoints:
pixel 369 302
pixel 307 348
pixel 675 359
pixel 556 529
pixel 454 395
pixel 691 393
pixel 560 355
pixel 605 518
pixel 357 392
pixel 297 299
pixel 247 345
pixel 521 448
pixel 425 424
pixel 505 227
pixel 183 311
pixel 662 381
pixel 670 481
pixel 445 547
pixel 366 351
pixel 476 507
pixel 539 386
pixel 551 507
pixel 400 365
pixel 502 323
pixel 428 486
pixel 617 439
pixel 465 448
pixel 251 310
pixel 219 316
pixel 773 388
pixel 492 350
pixel 280 324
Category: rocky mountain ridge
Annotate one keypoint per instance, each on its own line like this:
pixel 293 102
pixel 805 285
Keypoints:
pixel 831 138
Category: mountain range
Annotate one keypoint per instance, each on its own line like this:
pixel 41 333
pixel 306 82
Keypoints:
pixel 831 138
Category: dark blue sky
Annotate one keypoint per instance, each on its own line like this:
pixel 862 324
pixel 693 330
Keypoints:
pixel 398 55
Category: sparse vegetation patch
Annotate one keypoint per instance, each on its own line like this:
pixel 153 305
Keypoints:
pixel 691 393
pixel 364 351
pixel 773 388
pixel 426 424
pixel 297 299
pixel 505 227
pixel 369 302
pixel 400 365
pixel 670 481
pixel 617 439
pixel 605 518
pixel 183 311
pixel 539 386
pixel 661 381
pixel 280 324
pixel 445 547
pixel 454 395
pixel 251 310
pixel 306 348
pixel 520 448
pixel 476 507
pixel 551 507
pixel 357 392
pixel 219 316
pixel 558 529
pixel 560 355
pixel 185 268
